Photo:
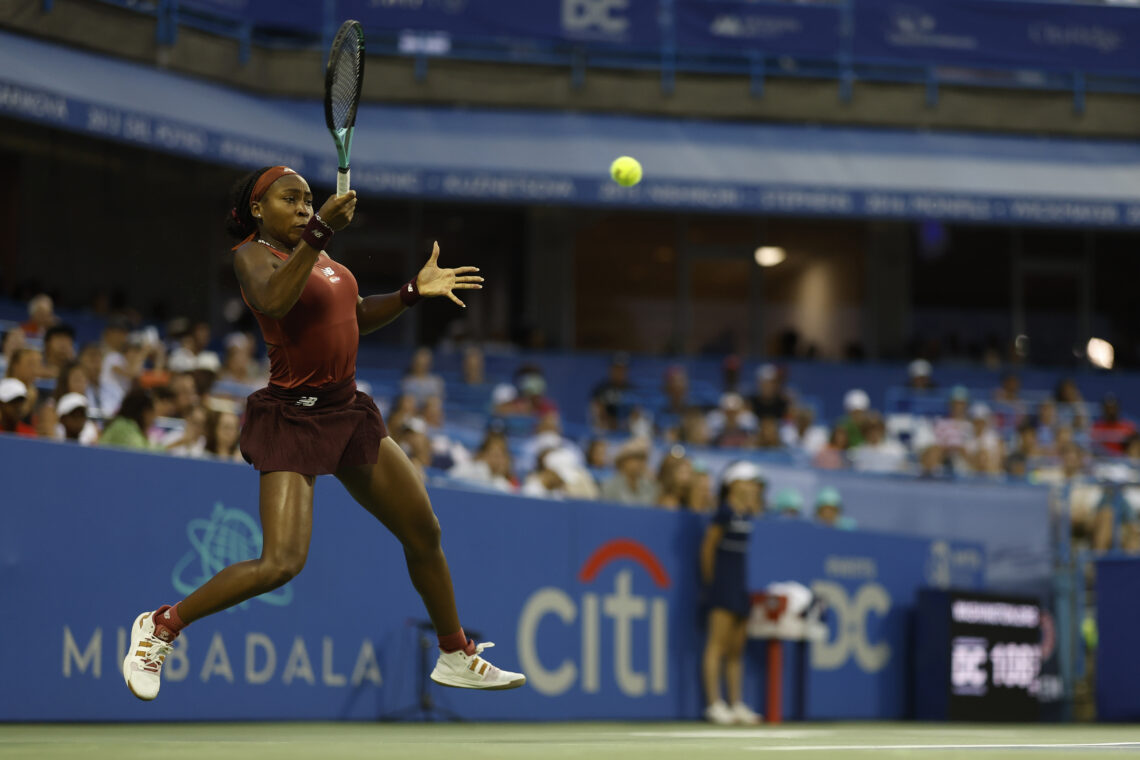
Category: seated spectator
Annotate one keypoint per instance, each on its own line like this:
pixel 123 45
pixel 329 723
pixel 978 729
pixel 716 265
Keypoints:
pixel 188 440
pixel 578 482
pixel 833 456
pixel 548 435
pixel 676 390
pixel 413 439
pixel 609 399
pixel 768 434
pixel 788 503
pixel 694 429
pixel 1025 441
pixel 240 367
pixel 223 432
pixel 730 374
pixel 129 427
pixel 1017 467
pixel 46 420
pixel 446 451
pixel 829 509
pixel 74 423
pixel 878 453
pixel 12 342
pixel 13 398
pixel 71 379
pixel 597 454
pixel 954 432
pixel 117 375
pixel 91 359
pixel 1046 420
pixel 732 423
pixel 984 450
pixel 1071 407
pixel 920 375
pixel 25 367
pixel 41 316
pixel 1009 391
pixel 59 349
pixel 403 409
pixel 1111 430
pixel 207 365
pixel 856 405
pixel 474 367
pixel 544 482
pixel 491 465
pixel 631 484
pixel 674 479
pixel 701 498
pixel 532 390
pixel 802 434
pixel 933 463
pixel 769 401
pixel 419 382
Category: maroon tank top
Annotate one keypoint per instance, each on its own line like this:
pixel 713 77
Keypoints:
pixel 316 342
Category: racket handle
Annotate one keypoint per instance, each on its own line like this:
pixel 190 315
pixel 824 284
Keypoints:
pixel 341 181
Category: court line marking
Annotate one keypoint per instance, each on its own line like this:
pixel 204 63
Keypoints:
pixel 880 747
pixel 730 733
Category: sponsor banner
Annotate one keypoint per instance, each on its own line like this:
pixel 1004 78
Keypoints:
pixel 631 23
pixel 980 33
pixel 510 186
pixel 770 28
pixel 597 603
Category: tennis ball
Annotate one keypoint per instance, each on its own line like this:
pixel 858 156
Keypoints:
pixel 626 171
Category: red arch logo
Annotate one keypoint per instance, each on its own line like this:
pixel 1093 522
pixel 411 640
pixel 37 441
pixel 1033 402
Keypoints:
pixel 624 548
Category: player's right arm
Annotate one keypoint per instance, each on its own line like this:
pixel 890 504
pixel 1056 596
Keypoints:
pixel 272 286
pixel 712 539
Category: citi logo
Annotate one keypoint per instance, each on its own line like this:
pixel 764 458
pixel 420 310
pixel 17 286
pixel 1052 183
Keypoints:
pixel 552 676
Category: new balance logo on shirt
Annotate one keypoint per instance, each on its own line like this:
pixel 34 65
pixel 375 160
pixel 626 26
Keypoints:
pixel 306 401
pixel 330 273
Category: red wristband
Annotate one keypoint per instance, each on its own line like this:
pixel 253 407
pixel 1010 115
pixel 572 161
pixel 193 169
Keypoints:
pixel 410 294
pixel 317 234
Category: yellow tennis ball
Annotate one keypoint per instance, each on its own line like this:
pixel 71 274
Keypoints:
pixel 626 171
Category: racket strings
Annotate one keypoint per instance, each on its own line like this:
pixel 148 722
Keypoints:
pixel 346 78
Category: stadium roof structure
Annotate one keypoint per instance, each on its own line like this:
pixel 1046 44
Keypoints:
pixel 563 158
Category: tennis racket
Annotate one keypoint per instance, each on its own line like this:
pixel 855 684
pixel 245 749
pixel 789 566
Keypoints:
pixel 344 77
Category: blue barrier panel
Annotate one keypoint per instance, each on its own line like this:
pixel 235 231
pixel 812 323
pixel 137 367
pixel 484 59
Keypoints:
pixel 597 603
pixel 1117 619
pixel 769 28
pixel 625 22
pixel 305 18
pixel 1044 35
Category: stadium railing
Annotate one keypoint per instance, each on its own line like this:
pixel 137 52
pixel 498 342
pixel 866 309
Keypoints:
pixel 760 39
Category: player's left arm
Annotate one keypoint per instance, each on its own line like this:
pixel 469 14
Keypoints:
pixel 374 312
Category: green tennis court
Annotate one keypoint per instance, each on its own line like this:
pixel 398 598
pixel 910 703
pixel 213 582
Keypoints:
pixel 597 741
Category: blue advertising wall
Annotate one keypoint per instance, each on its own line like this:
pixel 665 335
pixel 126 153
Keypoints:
pixel 596 603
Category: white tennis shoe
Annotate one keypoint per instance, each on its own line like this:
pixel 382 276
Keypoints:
pixel 720 714
pixel 142 667
pixel 465 671
pixel 744 715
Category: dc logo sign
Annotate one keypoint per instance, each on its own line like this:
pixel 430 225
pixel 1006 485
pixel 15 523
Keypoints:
pixel 595 16
pixel 592 613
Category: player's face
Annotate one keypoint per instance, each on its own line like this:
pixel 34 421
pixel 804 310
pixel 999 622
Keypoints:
pixel 285 209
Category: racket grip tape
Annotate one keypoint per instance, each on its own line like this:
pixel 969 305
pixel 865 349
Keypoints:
pixel 341 180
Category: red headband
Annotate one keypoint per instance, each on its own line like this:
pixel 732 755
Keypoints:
pixel 267 178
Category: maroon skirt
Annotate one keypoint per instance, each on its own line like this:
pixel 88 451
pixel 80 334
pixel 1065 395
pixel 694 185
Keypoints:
pixel 311 430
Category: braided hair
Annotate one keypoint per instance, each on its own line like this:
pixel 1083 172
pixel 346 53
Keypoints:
pixel 239 221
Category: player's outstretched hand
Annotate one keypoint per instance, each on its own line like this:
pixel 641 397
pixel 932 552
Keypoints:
pixel 433 281
pixel 337 211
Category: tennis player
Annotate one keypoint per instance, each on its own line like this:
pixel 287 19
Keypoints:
pixel 310 420
pixel 724 574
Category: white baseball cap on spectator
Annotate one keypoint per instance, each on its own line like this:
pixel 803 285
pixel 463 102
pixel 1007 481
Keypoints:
pixel 919 368
pixel 181 361
pixel 69 402
pixel 415 424
pixel 237 340
pixel 742 471
pixel 767 372
pixel 12 389
pixel 504 393
pixel 856 400
pixel 979 411
pixel 731 401
pixel 562 462
pixel 207 361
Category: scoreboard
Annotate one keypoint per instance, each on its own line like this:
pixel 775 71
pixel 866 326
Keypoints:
pixel 977 657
